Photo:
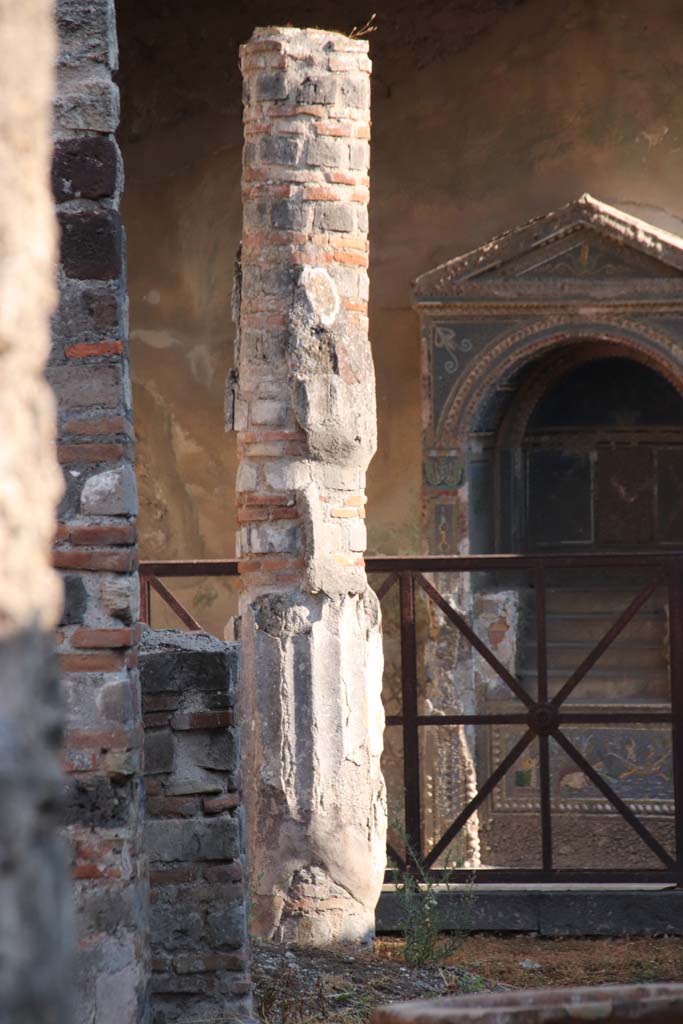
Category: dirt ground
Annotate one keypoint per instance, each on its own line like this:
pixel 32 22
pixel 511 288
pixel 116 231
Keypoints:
pixel 527 961
pixel 297 986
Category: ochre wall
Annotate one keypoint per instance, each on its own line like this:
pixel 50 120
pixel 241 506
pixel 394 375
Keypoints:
pixel 484 115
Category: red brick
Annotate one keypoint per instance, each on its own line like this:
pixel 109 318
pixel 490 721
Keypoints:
pixel 84 871
pixel 193 963
pixel 99 426
pixel 201 720
pixel 217 805
pixel 252 515
pixel 354 259
pixel 68 453
pixel 95 535
pixel 334 128
pixel 104 637
pixel 96 561
pixel 103 661
pixel 173 876
pixel 102 739
pixel 172 806
pixel 61 532
pixel 83 349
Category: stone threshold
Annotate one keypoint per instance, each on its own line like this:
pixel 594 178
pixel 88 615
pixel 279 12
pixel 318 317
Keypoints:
pixel 548 909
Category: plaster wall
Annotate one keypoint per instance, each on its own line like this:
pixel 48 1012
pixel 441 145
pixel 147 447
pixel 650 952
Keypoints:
pixel 484 114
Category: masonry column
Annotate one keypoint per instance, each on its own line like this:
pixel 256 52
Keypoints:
pixel 96 538
pixel 35 933
pixel 305 411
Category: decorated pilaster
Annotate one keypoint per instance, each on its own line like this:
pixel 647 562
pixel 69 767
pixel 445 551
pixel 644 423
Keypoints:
pixel 305 415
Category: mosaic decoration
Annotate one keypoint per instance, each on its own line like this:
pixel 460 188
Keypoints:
pixel 586 254
pixel 635 760
pixel 443 470
pixel 453 345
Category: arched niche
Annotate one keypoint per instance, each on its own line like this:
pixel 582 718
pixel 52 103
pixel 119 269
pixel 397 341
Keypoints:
pixel 585 279
pixel 584 298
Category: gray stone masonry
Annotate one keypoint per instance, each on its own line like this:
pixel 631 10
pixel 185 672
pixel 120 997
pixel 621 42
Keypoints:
pixel 305 414
pixel 35 923
pixel 95 545
pixel 194 833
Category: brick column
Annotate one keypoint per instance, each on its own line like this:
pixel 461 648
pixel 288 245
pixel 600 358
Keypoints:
pixel 35 932
pixel 96 537
pixel 305 412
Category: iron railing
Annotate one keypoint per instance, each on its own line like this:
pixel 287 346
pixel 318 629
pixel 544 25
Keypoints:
pixel 541 716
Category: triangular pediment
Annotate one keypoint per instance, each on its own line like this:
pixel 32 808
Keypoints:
pixel 585 240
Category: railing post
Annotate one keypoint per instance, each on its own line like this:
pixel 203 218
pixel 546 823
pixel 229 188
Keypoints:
pixel 144 599
pixel 411 739
pixel 676 681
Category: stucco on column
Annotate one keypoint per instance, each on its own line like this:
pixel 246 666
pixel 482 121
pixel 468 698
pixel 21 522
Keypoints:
pixel 304 408
pixel 35 928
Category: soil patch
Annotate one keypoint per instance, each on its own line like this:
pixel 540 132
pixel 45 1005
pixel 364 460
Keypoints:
pixel 342 986
pixel 527 961
pixel 294 985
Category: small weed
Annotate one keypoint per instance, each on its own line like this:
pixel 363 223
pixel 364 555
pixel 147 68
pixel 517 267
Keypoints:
pixel 424 930
pixel 646 971
pixel 359 31
pixel 471 983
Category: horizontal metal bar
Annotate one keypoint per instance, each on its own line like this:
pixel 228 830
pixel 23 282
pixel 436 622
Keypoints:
pixel 557 876
pixel 482 563
pixel 194 567
pixel 425 563
pixel 502 719
pixel 579 717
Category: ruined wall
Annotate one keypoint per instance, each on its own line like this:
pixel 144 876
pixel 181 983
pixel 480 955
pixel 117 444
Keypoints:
pixel 194 831
pixel 96 535
pixel 485 114
pixel 35 926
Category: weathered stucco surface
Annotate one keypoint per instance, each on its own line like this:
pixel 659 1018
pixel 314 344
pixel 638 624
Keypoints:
pixel 484 115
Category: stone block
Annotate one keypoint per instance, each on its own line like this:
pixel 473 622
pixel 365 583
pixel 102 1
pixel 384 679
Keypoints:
pixel 226 926
pixel 94 801
pixel 218 751
pixel 359 155
pixel 355 91
pixel 268 413
pixel 75 600
pixel 85 169
pixel 92 105
pixel 88 311
pixel 288 215
pixel 87 32
pixel 271 86
pixel 173 661
pixel 190 840
pixel 270 538
pixel 335 217
pixel 159 751
pixel 78 387
pixel 111 493
pixel 317 90
pixel 92 245
pixel 280 149
pixel 326 152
